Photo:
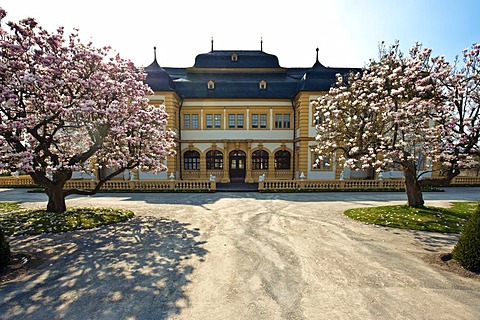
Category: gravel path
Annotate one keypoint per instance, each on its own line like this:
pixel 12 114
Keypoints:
pixel 239 256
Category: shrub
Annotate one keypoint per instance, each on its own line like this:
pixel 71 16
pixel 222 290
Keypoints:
pixel 467 249
pixel 5 253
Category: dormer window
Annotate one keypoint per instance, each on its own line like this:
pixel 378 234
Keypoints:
pixel 263 85
pixel 234 57
pixel 211 85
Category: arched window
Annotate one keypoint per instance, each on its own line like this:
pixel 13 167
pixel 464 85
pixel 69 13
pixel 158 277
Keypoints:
pixel 282 160
pixel 214 160
pixel 191 160
pixel 260 160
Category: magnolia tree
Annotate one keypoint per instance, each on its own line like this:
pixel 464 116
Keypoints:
pixel 65 105
pixel 387 116
pixel 462 118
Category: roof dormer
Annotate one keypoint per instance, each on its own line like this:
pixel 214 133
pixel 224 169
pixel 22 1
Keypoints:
pixel 262 85
pixel 211 85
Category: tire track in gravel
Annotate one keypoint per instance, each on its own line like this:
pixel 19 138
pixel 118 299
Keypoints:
pixel 277 265
pixel 282 256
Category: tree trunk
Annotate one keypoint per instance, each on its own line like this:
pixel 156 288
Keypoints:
pixel 5 253
pixel 56 198
pixel 413 187
pixel 53 188
pixel 451 174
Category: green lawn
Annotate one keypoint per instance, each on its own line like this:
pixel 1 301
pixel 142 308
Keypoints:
pixel 8 207
pixel 433 219
pixel 17 221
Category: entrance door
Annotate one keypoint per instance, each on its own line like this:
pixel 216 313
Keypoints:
pixel 237 160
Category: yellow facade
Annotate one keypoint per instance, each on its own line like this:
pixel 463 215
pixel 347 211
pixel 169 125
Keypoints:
pixel 233 128
pixel 241 117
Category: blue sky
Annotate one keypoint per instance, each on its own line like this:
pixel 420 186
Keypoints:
pixel 346 31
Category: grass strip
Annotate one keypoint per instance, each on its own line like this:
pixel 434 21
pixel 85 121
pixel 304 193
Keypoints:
pixel 17 221
pixel 434 219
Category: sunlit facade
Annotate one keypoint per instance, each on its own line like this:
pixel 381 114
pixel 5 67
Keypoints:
pixel 240 117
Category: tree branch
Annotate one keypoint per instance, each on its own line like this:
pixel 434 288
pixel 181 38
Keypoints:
pixel 100 183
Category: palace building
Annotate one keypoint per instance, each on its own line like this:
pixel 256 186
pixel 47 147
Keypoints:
pixel 241 117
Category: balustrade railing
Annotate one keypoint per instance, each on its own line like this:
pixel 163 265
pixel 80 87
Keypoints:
pixel 330 185
pixel 466 181
pixel 16 182
pixel 207 185
pixel 152 185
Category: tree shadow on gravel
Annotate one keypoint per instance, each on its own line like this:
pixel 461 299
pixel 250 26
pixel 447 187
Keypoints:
pixel 435 242
pixel 132 270
pixel 438 247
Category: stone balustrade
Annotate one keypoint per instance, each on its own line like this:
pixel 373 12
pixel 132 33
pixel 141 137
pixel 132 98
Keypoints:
pixel 210 185
pixel 330 185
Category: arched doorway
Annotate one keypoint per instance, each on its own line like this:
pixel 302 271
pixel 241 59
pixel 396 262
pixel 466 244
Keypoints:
pixel 237 159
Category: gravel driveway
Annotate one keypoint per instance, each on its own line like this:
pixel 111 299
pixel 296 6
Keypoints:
pixel 239 256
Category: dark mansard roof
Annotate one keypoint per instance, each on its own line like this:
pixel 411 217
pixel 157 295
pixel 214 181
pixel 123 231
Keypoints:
pixel 237 74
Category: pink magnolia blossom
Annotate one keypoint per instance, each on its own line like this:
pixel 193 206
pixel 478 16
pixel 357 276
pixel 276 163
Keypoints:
pixel 387 116
pixel 64 103
pixel 461 117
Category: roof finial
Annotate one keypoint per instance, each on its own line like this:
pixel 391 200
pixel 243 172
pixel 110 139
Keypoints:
pixel 155 53
pixel 212 43
pixel 261 43
pixel 317 54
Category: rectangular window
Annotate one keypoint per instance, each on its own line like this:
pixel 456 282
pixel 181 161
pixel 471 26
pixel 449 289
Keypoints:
pixel 263 121
pixel 278 121
pixel 255 121
pixel 213 121
pixel 186 121
pixel 231 121
pixel 195 121
pixel 321 164
pixel 421 163
pixel 190 121
pixel 282 121
pixel 286 121
pixel 240 121
pixel 209 122
pixel 218 121
pixel 236 121
pixel 317 118
pixel 259 121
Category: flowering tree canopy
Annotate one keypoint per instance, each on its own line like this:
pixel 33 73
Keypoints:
pixel 462 118
pixel 64 103
pixel 387 116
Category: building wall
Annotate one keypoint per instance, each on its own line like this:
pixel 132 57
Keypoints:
pixel 305 138
pixel 217 127
pixel 247 125
pixel 172 102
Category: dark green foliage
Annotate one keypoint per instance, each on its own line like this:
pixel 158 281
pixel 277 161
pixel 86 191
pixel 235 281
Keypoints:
pixel 5 253
pixel 467 249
